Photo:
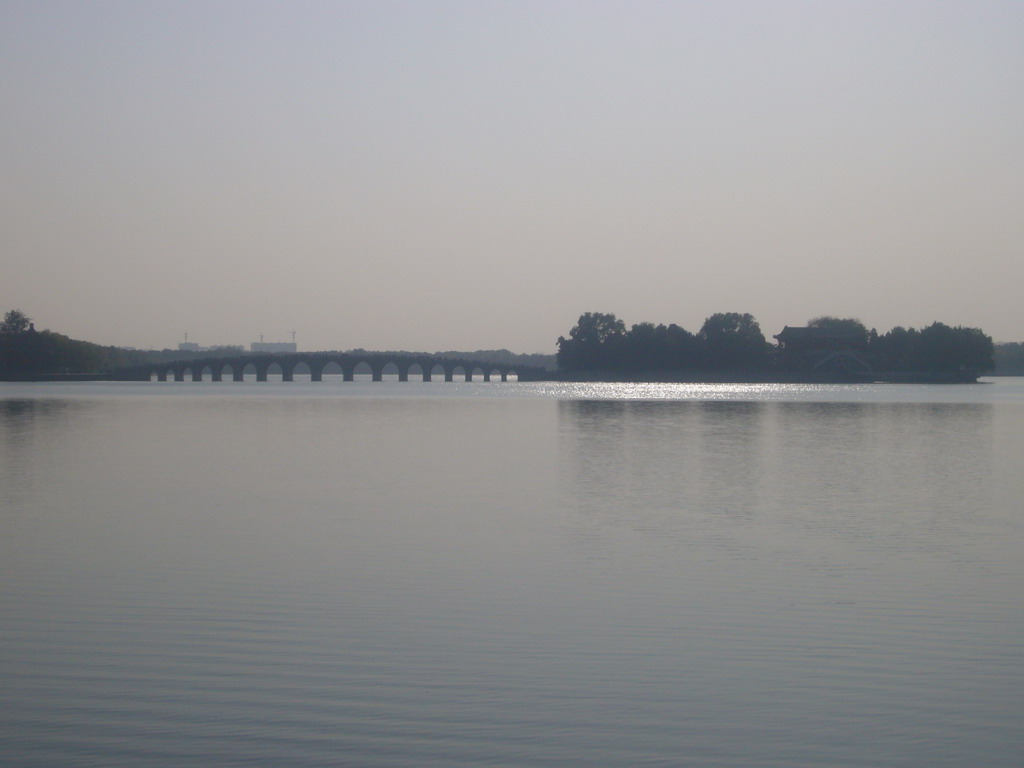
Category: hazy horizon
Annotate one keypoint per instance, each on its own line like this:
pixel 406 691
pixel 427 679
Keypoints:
pixel 475 175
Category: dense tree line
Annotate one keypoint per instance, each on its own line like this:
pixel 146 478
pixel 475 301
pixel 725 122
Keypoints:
pixel 732 344
pixel 728 341
pixel 1010 359
pixel 24 351
pixel 28 353
pixel 937 349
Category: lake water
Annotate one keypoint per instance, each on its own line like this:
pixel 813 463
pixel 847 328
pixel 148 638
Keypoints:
pixel 409 574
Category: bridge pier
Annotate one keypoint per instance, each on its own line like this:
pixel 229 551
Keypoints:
pixel 179 375
pixel 287 375
pixel 316 375
pixel 236 374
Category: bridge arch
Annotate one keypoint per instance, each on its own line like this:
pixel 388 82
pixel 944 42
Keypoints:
pixel 331 370
pixel 362 368
pixel 273 368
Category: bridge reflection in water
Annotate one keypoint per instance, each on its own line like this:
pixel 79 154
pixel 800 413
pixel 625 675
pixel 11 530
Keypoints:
pixel 319 364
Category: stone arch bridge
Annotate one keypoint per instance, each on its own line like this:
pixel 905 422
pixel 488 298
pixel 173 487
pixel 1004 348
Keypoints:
pixel 317 364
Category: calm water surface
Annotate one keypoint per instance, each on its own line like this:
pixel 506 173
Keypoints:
pixel 511 575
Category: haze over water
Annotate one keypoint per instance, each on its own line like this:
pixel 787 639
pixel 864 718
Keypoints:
pixel 401 574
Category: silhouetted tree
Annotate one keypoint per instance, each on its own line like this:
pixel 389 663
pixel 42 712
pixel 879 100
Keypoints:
pixel 956 350
pixel 733 340
pixel 858 332
pixel 14 322
pixel 897 350
pixel 594 343
pixel 681 348
pixel 642 348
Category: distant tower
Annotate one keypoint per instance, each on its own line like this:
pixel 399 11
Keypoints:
pixel 188 346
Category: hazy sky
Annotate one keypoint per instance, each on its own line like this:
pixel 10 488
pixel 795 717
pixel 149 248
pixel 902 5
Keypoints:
pixel 461 175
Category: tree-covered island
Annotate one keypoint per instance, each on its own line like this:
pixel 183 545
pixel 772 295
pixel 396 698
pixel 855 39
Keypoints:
pixel 730 346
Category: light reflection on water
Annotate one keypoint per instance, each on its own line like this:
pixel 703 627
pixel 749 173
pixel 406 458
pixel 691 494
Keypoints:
pixel 988 390
pixel 486 574
pixel 901 393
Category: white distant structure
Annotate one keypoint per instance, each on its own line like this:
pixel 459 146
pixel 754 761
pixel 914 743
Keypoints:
pixel 273 346
pixel 188 346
